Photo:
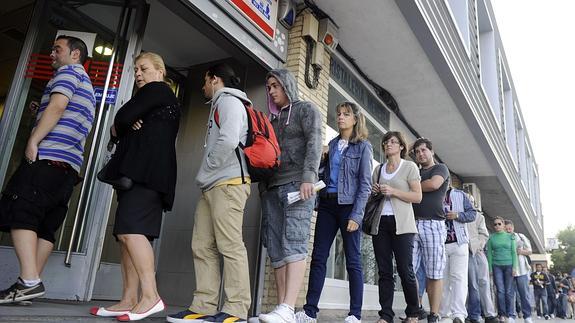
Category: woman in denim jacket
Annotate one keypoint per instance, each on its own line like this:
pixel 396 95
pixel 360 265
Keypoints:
pixel 399 180
pixel 347 175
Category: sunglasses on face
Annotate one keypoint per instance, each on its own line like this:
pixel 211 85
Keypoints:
pixel 497 223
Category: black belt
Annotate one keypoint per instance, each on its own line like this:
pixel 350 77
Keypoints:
pixel 58 164
pixel 64 166
pixel 328 195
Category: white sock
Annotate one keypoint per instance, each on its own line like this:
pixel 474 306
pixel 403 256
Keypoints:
pixel 30 282
pixel 288 306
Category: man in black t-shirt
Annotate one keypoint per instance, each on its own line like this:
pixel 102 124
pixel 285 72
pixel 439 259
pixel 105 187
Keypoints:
pixel 430 218
pixel 540 280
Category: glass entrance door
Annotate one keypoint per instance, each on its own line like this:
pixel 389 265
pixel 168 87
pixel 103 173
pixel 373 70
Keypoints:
pixel 110 29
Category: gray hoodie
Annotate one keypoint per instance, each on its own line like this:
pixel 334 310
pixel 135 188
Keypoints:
pixel 298 129
pixel 220 162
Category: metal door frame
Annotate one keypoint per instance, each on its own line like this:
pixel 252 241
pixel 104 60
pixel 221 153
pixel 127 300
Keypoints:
pixel 77 269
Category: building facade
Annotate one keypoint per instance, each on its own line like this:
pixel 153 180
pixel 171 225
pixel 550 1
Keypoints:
pixel 435 69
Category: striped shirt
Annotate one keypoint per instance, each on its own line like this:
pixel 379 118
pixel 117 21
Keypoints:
pixel 458 202
pixel 523 266
pixel 66 140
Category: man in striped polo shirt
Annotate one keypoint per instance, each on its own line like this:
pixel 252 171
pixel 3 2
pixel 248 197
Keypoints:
pixel 35 201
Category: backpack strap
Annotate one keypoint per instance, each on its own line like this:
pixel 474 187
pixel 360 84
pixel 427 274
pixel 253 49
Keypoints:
pixel 240 145
pixel 241 167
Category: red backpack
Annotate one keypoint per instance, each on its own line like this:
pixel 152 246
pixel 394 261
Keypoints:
pixel 262 150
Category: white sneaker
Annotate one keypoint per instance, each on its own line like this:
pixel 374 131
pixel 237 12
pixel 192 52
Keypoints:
pixel 528 320
pixel 510 320
pixel 301 317
pixel 352 319
pixel 283 313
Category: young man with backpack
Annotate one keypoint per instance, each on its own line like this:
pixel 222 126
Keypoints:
pixel 225 187
pixel 286 227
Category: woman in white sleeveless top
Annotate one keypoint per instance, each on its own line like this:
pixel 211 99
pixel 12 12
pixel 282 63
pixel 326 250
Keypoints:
pixel 399 180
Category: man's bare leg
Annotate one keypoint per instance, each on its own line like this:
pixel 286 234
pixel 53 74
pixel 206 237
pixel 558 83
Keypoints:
pixel 26 247
pixel 434 291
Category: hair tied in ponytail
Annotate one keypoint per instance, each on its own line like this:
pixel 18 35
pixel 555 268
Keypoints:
pixel 226 73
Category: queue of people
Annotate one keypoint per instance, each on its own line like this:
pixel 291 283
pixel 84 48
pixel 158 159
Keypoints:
pixel 423 222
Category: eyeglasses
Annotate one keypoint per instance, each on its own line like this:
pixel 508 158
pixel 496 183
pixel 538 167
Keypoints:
pixel 391 142
pixel 497 223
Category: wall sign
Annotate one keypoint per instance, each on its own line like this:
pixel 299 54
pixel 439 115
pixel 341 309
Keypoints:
pixel 110 95
pixel 352 85
pixel 261 13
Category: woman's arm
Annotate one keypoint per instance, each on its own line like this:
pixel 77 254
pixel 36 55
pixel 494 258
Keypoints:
pixel 364 182
pixel 414 194
pixel 514 255
pixel 147 98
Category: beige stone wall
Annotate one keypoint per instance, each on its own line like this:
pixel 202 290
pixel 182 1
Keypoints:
pixel 296 64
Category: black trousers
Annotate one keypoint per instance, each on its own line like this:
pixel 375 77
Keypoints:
pixel 385 245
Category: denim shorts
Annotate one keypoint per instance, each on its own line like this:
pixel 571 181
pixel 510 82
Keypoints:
pixel 285 228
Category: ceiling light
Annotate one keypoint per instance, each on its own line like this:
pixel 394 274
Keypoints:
pixel 106 51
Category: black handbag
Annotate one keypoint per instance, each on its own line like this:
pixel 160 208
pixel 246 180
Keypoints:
pixel 109 175
pixel 371 213
pixel 121 183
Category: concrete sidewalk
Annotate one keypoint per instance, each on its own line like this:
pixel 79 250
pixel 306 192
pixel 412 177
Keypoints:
pixel 52 311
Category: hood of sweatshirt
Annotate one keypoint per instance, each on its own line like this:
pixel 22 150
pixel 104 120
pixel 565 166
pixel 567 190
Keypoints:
pixel 228 90
pixel 289 85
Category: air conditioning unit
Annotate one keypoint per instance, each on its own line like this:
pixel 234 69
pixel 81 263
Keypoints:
pixel 473 190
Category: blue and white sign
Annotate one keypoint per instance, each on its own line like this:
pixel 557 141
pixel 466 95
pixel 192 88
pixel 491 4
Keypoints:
pixel 110 95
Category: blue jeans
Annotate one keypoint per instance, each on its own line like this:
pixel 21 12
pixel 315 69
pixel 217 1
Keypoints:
pixel 473 297
pixel 540 301
pixel 503 277
pixel 332 217
pixel 522 283
pixel 551 301
pixel 479 294
pixel 562 306
pixel 421 279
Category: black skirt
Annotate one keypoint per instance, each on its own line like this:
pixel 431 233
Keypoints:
pixel 139 212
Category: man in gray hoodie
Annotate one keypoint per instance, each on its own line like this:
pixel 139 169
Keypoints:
pixel 220 210
pixel 286 227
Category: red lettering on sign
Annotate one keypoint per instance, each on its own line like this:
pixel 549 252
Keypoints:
pixel 40 68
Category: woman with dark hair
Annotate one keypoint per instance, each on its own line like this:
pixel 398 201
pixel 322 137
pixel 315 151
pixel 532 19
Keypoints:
pixel 341 206
pixel 145 129
pixel 399 180
pixel 502 258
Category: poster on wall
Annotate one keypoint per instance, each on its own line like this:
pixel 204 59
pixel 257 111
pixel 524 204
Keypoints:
pixel 261 13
